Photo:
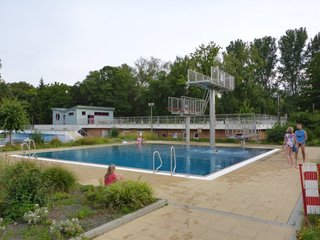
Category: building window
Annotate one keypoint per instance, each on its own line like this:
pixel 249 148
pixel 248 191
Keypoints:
pixel 83 113
pixel 101 113
pixel 57 116
pixel 70 113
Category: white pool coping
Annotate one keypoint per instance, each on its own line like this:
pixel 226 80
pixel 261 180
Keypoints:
pixel 208 177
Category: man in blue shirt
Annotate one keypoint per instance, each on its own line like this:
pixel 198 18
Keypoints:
pixel 301 136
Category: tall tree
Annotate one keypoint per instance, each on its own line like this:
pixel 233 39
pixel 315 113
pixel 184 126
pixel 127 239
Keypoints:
pixel 292 59
pixel 264 58
pixel 13 116
pixel 109 86
pixel 47 97
pixel 204 57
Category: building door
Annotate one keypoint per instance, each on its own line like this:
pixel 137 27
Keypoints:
pixel 90 119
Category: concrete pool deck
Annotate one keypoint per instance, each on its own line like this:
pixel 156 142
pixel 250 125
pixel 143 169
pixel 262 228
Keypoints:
pixel 253 202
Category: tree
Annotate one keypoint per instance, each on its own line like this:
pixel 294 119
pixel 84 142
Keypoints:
pixel 4 90
pixel 204 57
pixel 49 96
pixel 264 58
pixel 312 89
pixel 292 60
pixel 13 116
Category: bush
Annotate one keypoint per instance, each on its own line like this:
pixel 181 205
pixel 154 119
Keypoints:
pixel 37 137
pixel 60 179
pixel 114 132
pixel 276 134
pixel 312 233
pixel 23 186
pixel 125 196
pixel 39 215
pixel 67 228
pixel 90 141
pixel 55 142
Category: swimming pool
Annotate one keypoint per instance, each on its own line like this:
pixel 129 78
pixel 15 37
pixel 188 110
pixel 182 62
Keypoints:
pixel 193 160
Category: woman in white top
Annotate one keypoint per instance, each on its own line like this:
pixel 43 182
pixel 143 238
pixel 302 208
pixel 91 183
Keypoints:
pixel 289 143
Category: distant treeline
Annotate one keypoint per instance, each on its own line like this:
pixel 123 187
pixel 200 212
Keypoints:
pixel 265 70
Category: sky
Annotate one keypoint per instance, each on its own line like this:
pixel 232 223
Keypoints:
pixel 63 40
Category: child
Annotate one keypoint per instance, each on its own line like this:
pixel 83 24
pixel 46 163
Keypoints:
pixel 289 143
pixel 302 137
pixel 111 176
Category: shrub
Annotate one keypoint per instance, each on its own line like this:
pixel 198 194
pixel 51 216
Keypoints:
pixel 129 195
pixel 37 137
pixel 276 134
pixel 114 132
pixel 311 233
pixel 24 187
pixel 67 228
pixel 60 179
pixel 84 212
pixel 55 142
pixel 90 141
pixel 2 227
pixel 125 196
pixel 39 215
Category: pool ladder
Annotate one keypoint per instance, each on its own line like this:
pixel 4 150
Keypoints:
pixel 173 161
pixel 28 145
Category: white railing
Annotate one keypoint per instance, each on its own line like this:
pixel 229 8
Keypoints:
pixel 173 160
pixel 266 121
pixel 156 153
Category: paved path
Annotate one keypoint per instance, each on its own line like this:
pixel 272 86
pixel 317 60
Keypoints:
pixel 254 202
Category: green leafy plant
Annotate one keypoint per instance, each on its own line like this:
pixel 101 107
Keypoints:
pixel 37 137
pixel 68 228
pixel 126 196
pixel 24 187
pixel 55 142
pixel 60 179
pixel 39 215
pixel 276 134
pixel 114 132
pixel 2 226
pixel 84 212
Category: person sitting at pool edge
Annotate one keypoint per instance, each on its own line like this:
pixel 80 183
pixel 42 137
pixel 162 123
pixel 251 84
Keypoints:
pixel 302 137
pixel 111 177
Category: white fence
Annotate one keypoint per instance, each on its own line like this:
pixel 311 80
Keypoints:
pixel 262 121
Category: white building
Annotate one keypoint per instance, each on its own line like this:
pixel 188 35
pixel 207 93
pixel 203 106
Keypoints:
pixel 82 115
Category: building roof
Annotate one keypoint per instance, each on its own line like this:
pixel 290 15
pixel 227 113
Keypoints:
pixel 84 107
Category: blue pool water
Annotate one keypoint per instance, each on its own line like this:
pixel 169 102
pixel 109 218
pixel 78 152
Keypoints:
pixel 197 160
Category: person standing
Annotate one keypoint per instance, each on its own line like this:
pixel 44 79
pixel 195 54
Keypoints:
pixel 301 136
pixel 289 142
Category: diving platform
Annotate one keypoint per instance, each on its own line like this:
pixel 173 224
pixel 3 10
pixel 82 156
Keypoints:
pixel 219 80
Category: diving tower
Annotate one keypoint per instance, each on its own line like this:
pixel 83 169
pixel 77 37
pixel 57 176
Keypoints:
pixel 219 81
pixel 187 107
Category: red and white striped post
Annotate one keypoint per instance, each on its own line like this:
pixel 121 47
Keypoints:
pixel 309 175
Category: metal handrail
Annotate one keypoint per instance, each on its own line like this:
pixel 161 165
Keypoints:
pixel 29 145
pixel 34 146
pixel 28 148
pixel 173 157
pixel 154 157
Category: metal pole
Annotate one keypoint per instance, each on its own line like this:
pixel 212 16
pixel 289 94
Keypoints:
pixel 188 130
pixel 151 119
pixel 278 113
pixel 151 105
pixel 212 119
pixel 312 108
